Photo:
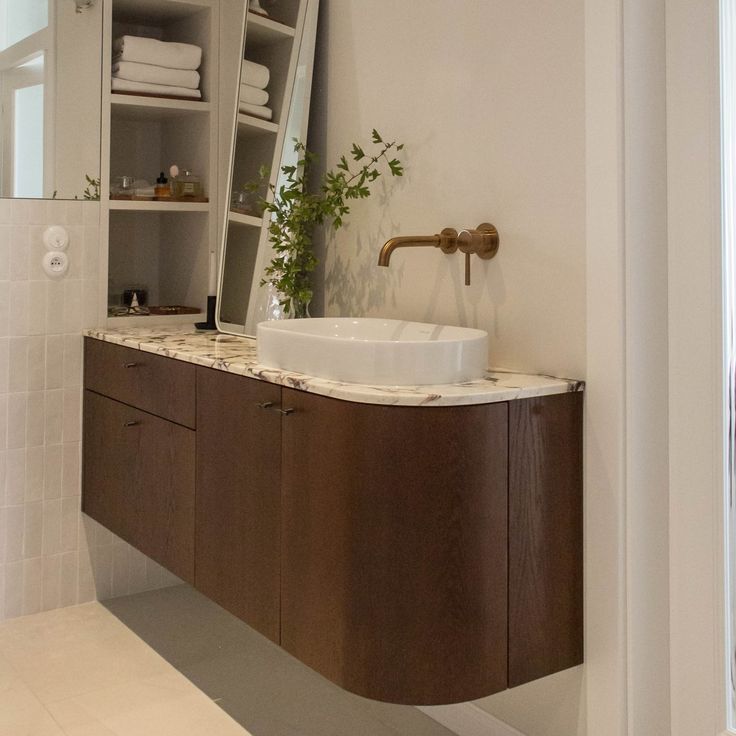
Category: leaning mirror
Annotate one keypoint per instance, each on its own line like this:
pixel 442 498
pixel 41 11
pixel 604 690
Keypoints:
pixel 275 89
pixel 50 82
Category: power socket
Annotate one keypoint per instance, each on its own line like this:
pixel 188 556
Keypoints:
pixel 56 264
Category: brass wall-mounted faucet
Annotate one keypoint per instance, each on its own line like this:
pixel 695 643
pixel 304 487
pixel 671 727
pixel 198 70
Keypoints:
pixel 482 241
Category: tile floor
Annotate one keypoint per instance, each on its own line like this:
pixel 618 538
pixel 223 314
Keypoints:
pixel 172 663
pixel 81 672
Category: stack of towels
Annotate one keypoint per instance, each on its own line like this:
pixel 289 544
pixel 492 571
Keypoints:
pixel 151 67
pixel 253 96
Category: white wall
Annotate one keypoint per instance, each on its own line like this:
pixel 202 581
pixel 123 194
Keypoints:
pixel 489 99
pixel 50 555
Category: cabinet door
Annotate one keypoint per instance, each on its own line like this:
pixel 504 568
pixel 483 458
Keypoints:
pixel 139 480
pixel 238 496
pixel 394 574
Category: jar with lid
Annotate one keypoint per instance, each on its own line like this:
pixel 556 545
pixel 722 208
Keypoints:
pixel 187 185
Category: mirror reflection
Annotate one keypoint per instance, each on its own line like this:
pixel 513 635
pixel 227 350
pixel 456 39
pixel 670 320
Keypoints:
pixel 50 83
pixel 278 59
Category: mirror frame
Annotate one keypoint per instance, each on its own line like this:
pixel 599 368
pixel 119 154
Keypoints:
pixel 305 43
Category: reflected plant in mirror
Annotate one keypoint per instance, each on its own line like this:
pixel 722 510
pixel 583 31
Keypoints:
pixel 295 211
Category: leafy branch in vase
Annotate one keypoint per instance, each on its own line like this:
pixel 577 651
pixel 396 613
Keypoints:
pixel 295 211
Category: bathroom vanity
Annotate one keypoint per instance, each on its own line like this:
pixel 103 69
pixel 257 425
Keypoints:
pixel 415 545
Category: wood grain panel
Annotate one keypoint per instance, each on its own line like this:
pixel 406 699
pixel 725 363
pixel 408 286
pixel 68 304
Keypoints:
pixel 153 383
pixel 545 536
pixel 138 480
pixel 238 497
pixel 394 572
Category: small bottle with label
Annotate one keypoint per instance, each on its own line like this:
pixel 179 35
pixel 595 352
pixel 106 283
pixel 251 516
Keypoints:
pixel 187 185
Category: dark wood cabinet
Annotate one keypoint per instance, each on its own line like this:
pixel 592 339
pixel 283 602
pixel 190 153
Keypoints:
pixel 417 555
pixel 139 480
pixel 394 570
pixel 545 536
pixel 238 496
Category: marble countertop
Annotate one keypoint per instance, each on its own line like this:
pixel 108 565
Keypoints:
pixel 238 355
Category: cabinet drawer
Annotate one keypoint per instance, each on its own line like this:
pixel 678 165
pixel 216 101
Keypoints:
pixel 138 480
pixel 153 383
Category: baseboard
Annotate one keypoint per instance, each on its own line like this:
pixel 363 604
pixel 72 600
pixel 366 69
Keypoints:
pixel 466 719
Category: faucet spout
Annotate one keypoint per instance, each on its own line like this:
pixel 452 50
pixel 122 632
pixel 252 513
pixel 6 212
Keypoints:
pixel 413 241
pixel 405 241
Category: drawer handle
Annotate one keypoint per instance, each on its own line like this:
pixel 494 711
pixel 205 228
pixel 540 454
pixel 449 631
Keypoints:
pixel 131 423
pixel 270 405
pixel 130 365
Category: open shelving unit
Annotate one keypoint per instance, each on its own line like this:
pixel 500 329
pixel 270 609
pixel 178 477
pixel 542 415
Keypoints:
pixel 161 246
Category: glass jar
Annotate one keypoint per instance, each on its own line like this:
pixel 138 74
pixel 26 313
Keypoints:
pixel 186 185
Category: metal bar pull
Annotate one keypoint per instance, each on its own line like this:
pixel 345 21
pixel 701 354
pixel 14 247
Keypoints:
pixel 131 423
pixel 130 365
pixel 271 406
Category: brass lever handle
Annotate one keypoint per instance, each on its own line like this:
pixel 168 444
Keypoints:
pixel 483 242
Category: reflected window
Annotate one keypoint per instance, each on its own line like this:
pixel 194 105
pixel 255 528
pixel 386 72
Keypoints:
pixel 20 19
pixel 28 143
pixel 22 124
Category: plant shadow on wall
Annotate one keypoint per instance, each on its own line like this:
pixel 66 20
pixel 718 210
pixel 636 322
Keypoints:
pixel 296 210
pixel 350 277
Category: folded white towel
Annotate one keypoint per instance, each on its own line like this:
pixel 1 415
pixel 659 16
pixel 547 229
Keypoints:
pixel 160 53
pixel 125 85
pixel 253 95
pixel 259 111
pixel 153 74
pixel 256 75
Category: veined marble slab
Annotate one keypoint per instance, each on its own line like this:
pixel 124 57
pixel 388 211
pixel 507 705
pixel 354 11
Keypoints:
pixel 238 355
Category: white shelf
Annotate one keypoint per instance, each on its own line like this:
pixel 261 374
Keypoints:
pixel 130 205
pixel 262 31
pixel 248 124
pixel 132 11
pixel 155 108
pixel 237 219
pixel 155 319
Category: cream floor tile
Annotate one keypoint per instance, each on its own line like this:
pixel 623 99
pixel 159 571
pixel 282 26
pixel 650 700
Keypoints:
pixel 167 705
pixel 21 713
pixel 80 672
pixel 69 652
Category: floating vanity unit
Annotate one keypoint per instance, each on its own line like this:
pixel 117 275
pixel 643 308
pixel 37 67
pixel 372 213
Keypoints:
pixel 417 545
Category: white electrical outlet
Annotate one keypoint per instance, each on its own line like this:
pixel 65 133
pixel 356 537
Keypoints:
pixel 56 264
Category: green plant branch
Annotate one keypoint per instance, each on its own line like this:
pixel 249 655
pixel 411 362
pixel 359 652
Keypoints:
pixel 295 211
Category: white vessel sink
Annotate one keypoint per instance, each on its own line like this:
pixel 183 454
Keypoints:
pixel 384 352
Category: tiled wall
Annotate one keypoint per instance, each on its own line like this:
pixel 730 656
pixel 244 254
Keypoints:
pixel 50 555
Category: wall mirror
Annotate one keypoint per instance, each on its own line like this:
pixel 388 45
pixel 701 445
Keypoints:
pixel 278 55
pixel 50 84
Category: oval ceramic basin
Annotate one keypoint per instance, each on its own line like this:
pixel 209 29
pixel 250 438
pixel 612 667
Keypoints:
pixel 374 351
